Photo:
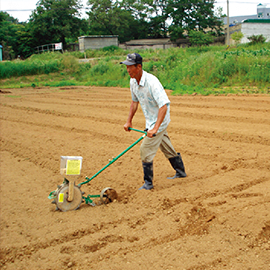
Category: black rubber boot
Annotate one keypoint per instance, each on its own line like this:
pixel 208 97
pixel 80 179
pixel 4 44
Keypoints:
pixel 178 165
pixel 148 175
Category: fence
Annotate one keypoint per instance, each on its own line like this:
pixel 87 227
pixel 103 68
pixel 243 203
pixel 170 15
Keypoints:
pixel 49 47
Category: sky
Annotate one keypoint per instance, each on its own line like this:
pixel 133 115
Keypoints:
pixel 21 9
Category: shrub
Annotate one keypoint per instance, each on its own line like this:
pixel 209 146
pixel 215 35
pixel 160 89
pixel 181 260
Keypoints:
pixel 100 69
pixel 111 48
pixel 200 38
pixel 257 39
pixel 70 63
pixel 237 36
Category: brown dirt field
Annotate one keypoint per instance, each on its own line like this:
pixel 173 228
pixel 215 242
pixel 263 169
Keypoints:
pixel 216 218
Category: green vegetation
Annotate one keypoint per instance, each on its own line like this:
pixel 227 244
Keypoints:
pixel 237 36
pixel 257 39
pixel 199 38
pixel 202 70
pixel 143 19
pixel 55 21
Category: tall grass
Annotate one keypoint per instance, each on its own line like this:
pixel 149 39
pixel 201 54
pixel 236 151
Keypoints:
pixel 42 64
pixel 21 68
pixel 205 70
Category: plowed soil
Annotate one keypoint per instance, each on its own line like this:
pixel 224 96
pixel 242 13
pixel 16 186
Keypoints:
pixel 216 218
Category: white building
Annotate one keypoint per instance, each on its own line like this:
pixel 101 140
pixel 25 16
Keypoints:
pixel 252 25
pixel 263 12
pixel 249 28
pixel 255 27
pixel 97 42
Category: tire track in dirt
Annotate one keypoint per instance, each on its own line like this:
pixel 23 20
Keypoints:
pixel 223 118
pixel 111 138
pixel 190 228
pixel 224 136
pixel 7 145
pixel 84 93
pixel 197 224
pixel 234 102
pixel 178 107
pixel 235 137
pixel 13 253
pixel 236 188
pixel 99 102
pixel 90 133
pixel 188 116
pixel 10 145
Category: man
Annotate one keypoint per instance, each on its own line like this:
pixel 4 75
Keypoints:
pixel 147 90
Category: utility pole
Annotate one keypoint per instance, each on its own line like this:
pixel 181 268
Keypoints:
pixel 228 24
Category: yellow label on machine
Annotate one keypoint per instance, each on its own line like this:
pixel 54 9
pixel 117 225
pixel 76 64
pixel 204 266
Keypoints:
pixel 73 167
pixel 61 197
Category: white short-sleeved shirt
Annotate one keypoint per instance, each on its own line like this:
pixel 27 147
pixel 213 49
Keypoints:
pixel 151 96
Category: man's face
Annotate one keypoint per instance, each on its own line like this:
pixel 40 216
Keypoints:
pixel 133 70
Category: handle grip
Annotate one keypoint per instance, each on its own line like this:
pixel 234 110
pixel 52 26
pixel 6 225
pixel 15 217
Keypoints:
pixel 138 130
pixel 142 131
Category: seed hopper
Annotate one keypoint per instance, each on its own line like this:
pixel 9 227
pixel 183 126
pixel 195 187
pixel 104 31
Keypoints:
pixel 69 196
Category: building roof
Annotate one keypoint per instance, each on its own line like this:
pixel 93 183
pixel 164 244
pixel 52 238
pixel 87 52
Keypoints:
pixel 256 21
pixel 149 41
pixel 100 36
pixel 238 19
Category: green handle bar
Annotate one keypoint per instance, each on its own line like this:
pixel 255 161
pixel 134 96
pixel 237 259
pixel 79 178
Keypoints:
pixel 114 159
pixel 142 131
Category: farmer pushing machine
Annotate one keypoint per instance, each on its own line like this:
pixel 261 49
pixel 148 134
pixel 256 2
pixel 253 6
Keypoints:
pixel 147 90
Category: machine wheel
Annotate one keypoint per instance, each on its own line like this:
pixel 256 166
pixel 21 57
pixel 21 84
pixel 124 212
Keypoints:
pixel 62 195
pixel 108 195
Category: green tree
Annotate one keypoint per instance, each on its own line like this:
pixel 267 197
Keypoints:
pixel 237 36
pixel 107 17
pixel 11 35
pixel 199 38
pixel 218 12
pixel 192 15
pixel 157 16
pixel 7 34
pixel 132 19
pixel 55 20
pixel 24 46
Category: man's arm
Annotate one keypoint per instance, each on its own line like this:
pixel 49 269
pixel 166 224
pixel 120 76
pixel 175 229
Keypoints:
pixel 132 111
pixel 161 115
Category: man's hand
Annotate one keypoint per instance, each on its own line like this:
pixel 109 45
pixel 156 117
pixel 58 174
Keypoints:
pixel 151 133
pixel 161 115
pixel 127 126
